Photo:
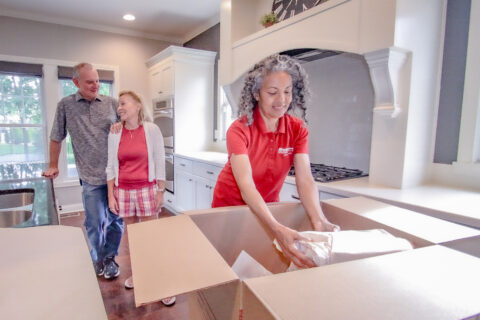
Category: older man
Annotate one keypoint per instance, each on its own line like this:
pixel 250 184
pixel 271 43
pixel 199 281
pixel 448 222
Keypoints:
pixel 87 117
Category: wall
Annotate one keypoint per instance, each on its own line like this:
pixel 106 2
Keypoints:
pixel 27 40
pixel 210 40
pixel 340 113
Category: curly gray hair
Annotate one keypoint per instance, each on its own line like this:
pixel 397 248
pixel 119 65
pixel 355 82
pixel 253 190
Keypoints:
pixel 254 80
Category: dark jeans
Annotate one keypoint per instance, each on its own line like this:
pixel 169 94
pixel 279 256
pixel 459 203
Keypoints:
pixel 104 228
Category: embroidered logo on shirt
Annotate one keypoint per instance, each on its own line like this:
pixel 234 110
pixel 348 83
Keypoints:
pixel 285 151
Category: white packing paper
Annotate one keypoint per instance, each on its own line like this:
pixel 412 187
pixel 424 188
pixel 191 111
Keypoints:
pixel 246 267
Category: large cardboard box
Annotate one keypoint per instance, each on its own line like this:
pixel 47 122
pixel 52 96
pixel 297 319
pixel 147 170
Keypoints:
pixel 47 273
pixel 193 253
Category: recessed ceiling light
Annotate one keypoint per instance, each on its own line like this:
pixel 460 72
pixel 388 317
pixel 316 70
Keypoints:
pixel 129 17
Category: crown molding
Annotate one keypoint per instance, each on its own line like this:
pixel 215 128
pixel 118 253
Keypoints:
pixel 89 26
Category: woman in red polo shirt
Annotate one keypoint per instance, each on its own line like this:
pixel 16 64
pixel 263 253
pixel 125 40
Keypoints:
pixel 264 142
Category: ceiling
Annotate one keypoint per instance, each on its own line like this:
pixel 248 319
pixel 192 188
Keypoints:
pixel 170 20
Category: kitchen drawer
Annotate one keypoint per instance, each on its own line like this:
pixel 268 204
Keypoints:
pixel 288 192
pixel 184 164
pixel 169 200
pixel 206 170
pixel 326 195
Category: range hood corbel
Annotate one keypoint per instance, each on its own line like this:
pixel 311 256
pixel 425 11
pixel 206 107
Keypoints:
pixel 385 67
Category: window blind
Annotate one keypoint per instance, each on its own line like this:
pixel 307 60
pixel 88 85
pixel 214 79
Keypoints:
pixel 19 68
pixel 67 73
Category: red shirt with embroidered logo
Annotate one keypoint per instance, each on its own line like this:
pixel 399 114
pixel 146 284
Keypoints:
pixel 270 154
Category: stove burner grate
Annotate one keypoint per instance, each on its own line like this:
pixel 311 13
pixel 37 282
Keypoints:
pixel 324 173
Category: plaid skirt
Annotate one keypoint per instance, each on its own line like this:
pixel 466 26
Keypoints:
pixel 136 202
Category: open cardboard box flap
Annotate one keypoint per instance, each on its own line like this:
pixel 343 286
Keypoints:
pixel 171 256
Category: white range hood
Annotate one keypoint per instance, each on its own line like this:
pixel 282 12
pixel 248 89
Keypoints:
pixel 401 42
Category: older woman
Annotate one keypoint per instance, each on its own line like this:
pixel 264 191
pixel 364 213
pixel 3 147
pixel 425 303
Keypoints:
pixel 262 146
pixel 136 165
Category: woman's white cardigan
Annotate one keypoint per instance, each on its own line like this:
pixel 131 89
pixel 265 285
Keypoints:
pixel 155 151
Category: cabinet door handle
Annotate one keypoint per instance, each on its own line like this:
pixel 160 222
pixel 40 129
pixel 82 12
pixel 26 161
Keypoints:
pixel 190 180
pixel 160 92
pixel 169 200
pixel 209 172
pixel 295 197
pixel 182 164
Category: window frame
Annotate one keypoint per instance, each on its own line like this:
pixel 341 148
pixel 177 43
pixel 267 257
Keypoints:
pixel 469 140
pixel 465 172
pixel 224 111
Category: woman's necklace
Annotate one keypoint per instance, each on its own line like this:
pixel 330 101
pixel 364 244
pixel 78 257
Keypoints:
pixel 131 132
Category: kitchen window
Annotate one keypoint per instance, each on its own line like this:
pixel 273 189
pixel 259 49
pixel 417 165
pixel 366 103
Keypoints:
pixel 22 138
pixel 458 124
pixel 226 115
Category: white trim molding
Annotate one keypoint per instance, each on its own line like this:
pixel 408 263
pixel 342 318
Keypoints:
pixel 385 67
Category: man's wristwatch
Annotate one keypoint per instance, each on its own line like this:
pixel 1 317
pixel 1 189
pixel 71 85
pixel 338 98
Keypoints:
pixel 162 190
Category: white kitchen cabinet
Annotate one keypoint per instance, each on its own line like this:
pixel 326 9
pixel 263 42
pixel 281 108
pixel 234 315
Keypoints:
pixel 289 193
pixel 169 201
pixel 194 183
pixel 187 76
pixel 161 79
pixel 327 195
pixel 204 193
pixel 184 191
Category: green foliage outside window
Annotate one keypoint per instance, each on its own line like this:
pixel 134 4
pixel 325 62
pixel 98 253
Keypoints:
pixel 68 88
pixel 21 138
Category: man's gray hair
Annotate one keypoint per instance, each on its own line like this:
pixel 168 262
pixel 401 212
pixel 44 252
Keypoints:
pixel 254 80
pixel 80 66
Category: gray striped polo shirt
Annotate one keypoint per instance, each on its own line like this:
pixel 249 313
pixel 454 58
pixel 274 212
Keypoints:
pixel 88 124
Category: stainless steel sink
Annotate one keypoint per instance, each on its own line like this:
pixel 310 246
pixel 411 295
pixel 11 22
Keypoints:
pixel 16 206
pixel 13 217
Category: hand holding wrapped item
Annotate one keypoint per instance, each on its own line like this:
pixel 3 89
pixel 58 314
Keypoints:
pixel 332 247
pixel 286 240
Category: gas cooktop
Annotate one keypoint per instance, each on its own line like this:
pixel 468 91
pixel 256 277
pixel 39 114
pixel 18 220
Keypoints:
pixel 324 173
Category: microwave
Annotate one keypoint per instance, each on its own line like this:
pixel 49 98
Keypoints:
pixel 163 103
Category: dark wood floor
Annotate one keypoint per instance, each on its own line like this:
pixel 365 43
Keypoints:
pixel 119 302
